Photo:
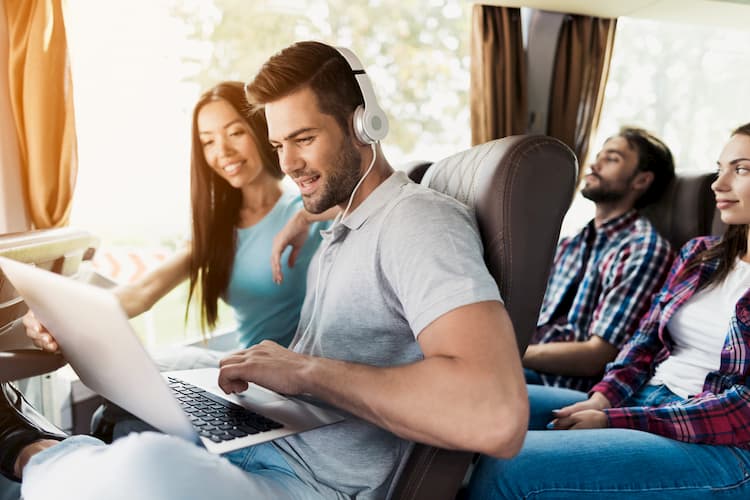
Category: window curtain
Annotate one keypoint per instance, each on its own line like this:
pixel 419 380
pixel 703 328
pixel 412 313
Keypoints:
pixel 498 95
pixel 584 52
pixel 13 216
pixel 41 96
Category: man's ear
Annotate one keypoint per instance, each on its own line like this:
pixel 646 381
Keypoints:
pixel 356 142
pixel 643 180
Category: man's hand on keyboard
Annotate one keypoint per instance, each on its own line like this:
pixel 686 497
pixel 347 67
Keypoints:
pixel 266 364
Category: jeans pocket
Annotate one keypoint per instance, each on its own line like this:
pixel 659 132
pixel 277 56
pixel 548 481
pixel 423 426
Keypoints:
pixel 736 471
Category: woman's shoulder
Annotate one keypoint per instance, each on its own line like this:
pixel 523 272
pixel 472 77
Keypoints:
pixel 290 202
pixel 699 244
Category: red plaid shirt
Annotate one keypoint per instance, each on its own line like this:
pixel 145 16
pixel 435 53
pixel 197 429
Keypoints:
pixel 718 415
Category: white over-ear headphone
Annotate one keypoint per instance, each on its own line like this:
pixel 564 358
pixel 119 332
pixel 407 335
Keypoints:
pixel 370 122
pixel 370 126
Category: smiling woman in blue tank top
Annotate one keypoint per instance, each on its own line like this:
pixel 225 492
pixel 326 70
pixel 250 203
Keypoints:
pixel 239 204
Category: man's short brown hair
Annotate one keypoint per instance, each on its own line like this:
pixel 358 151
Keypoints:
pixel 314 64
pixel 653 156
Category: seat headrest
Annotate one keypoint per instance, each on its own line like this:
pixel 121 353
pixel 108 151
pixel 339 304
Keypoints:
pixel 519 188
pixel 686 209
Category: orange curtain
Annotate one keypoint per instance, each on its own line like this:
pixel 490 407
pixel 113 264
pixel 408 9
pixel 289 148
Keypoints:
pixel 41 96
pixel 584 51
pixel 498 74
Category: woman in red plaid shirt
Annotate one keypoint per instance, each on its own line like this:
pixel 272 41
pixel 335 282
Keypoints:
pixel 671 418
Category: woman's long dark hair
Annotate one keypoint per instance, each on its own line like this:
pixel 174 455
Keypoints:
pixel 733 243
pixel 216 205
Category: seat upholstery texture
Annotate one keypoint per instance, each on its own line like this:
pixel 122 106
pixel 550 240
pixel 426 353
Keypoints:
pixel 519 188
pixel 60 250
pixel 686 209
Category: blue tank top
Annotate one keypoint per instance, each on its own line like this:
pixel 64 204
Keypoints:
pixel 263 309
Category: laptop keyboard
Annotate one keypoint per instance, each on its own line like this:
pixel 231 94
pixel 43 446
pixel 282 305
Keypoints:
pixel 215 418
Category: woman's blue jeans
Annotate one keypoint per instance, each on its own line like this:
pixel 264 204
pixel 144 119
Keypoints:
pixel 609 463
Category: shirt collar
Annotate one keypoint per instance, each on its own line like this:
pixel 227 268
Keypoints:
pixel 619 223
pixel 382 194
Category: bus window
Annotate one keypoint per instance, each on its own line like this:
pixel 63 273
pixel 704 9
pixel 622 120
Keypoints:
pixel 682 82
pixel 134 91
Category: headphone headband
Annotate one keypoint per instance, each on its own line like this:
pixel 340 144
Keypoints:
pixel 370 121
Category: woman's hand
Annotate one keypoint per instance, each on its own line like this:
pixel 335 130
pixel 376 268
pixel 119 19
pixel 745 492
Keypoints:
pixel 131 300
pixel 39 335
pixel 582 415
pixel 585 419
pixel 597 401
pixel 293 234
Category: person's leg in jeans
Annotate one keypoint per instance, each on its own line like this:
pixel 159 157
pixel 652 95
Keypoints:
pixel 9 490
pixel 532 377
pixel 543 399
pixel 614 464
pixel 156 466
pixel 611 463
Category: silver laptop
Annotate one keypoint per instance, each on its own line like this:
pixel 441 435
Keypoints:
pixel 97 340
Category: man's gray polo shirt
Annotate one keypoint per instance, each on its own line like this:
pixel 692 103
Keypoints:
pixel 406 256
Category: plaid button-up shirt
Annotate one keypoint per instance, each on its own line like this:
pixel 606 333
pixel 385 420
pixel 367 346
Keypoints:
pixel 718 415
pixel 628 261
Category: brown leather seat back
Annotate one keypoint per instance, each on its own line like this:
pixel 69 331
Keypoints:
pixel 416 169
pixel 686 209
pixel 519 188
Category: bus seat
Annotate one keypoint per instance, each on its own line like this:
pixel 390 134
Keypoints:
pixel 686 210
pixel 519 188
pixel 415 169
pixel 60 250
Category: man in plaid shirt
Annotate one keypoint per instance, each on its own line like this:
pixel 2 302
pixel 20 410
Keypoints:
pixel 671 417
pixel 604 276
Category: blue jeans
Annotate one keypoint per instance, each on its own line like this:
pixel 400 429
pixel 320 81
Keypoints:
pixel 159 467
pixel 9 490
pixel 609 463
pixel 532 377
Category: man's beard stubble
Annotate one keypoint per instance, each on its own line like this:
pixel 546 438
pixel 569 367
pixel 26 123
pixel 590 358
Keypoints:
pixel 342 179
pixel 605 193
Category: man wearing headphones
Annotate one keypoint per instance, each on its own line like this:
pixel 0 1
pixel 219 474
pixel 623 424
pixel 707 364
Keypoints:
pixel 402 325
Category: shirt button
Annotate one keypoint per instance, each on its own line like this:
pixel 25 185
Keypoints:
pixel 728 348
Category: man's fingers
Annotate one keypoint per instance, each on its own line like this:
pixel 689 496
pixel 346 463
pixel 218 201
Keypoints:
pixel 231 379
pixel 233 358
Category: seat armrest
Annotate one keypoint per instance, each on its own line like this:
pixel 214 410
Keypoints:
pixel 60 250
pixel 24 363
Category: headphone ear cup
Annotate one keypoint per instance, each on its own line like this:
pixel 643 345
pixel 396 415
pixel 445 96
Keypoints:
pixel 370 124
pixel 358 123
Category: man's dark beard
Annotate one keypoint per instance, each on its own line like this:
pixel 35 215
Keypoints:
pixel 605 194
pixel 602 195
pixel 341 180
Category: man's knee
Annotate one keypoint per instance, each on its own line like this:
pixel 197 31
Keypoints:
pixel 130 468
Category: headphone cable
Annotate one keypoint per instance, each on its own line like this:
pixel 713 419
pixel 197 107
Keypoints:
pixel 340 219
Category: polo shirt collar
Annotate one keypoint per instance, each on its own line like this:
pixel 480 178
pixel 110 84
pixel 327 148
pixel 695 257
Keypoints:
pixel 382 194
